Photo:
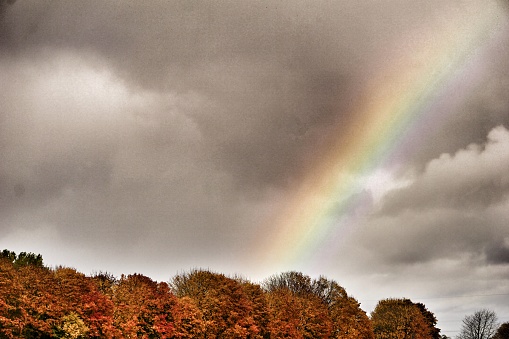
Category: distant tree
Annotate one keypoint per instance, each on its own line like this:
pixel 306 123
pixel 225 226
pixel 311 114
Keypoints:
pixel 399 319
pixel 8 255
pixel 502 331
pixel 22 259
pixel 25 259
pixel 480 325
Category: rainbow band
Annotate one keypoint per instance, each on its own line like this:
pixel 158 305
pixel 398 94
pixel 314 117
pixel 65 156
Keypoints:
pixel 392 107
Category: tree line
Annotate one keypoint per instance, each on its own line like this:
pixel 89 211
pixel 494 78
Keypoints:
pixel 41 302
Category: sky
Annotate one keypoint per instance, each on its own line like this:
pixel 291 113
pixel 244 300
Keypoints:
pixel 366 141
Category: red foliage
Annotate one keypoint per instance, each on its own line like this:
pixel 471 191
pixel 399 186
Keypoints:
pixel 37 302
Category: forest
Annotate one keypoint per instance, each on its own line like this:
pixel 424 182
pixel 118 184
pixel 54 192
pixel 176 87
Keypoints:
pixel 42 302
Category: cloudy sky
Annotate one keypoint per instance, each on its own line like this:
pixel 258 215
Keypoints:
pixel 364 140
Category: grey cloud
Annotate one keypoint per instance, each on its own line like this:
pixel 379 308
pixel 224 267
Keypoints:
pixel 418 238
pixel 474 177
pixel 498 253
pixel 474 116
pixel 258 67
pixel 455 210
pixel 4 4
pixel 111 169
pixel 282 74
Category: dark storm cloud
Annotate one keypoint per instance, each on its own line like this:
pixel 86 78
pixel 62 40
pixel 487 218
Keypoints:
pixel 4 4
pixel 260 68
pixel 498 253
pixel 282 74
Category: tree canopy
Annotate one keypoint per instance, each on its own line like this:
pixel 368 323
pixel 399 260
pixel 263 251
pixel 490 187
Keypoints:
pixel 401 319
pixel 41 302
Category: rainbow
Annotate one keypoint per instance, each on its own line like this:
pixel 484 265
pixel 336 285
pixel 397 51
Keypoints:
pixel 399 99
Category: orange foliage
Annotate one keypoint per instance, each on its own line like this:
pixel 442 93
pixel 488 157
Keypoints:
pixel 38 302
pixel 399 319
pixel 143 308
pixel 227 310
pixel 294 316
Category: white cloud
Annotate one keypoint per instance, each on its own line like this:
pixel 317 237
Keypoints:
pixel 454 212
pixel 473 177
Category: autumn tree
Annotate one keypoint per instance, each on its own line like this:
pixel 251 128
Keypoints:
pixel 297 316
pixel 143 308
pixel 399 319
pixel 480 325
pixel 187 319
pixel 430 319
pixel 296 311
pixel 73 327
pixel 296 282
pixel 75 293
pixel 349 321
pixel 346 318
pixel 38 302
pixel 226 308
pixel 105 282
pixel 12 318
pixel 259 308
pixel 25 306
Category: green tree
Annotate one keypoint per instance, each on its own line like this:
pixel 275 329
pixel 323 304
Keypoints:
pixel 8 255
pixel 22 259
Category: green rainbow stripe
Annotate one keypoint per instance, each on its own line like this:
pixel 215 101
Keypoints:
pixel 392 106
